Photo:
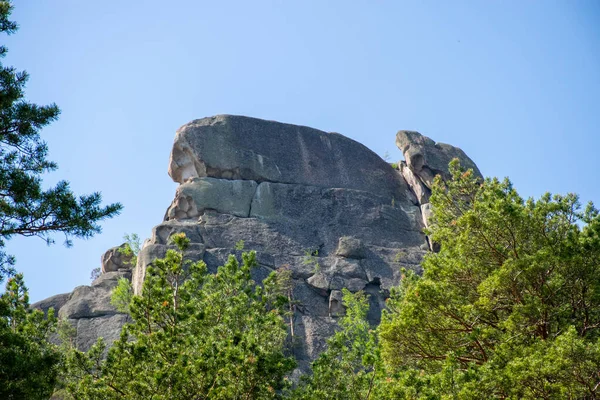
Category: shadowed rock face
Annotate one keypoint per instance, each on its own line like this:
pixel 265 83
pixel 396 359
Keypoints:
pixel 318 203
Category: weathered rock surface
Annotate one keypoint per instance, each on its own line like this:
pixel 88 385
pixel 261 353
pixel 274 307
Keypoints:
pixel 199 194
pixel 420 190
pixel 427 158
pixel 319 204
pixel 88 308
pixel 117 259
pixel 424 159
pixel 243 148
pixel 89 311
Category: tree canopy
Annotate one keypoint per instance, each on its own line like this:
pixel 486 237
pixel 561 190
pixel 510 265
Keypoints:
pixel 29 364
pixel 194 335
pixel 510 305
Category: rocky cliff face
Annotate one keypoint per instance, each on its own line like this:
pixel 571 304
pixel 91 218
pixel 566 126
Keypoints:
pixel 318 203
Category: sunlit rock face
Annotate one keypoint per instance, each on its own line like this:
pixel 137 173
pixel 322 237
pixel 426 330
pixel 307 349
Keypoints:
pixel 290 191
pixel 88 308
pixel 320 204
pixel 424 159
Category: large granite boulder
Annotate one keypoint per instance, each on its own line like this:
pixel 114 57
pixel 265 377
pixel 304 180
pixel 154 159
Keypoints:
pixel 319 204
pixel 243 148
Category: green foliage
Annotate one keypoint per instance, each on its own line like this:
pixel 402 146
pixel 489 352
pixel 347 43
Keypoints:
pixel 28 362
pixel 399 256
pixel 194 335
pixel 240 245
pixel 285 285
pixel 311 257
pixel 350 368
pixel 509 307
pixel 25 207
pixel 134 242
pixel 121 296
pixel 132 247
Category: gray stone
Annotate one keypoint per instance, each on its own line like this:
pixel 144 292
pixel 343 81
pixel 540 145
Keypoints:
pixel 377 297
pixel 349 268
pixel 381 272
pixel 337 273
pixel 225 196
pixel 308 301
pixel 146 256
pixel 313 330
pixel 427 158
pixel 350 247
pixel 339 282
pixel 116 258
pixel 419 189
pixel 320 281
pixel 151 252
pixel 55 302
pixel 317 204
pixel 348 274
pixel 161 233
pixel 336 305
pixel 300 211
pixel 108 279
pixel 426 213
pixel 107 327
pixel 89 301
pixel 237 147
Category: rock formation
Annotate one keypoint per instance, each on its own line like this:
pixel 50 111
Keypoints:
pixel 424 159
pixel 318 203
pixel 88 308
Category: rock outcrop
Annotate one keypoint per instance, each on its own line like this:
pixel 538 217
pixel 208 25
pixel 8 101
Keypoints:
pixel 423 160
pixel 317 203
pixel 88 308
pixel 117 259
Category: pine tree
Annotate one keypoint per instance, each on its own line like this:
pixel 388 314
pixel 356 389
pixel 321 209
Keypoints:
pixel 509 307
pixel 194 335
pixel 28 362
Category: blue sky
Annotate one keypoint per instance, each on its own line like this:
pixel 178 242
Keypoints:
pixel 516 84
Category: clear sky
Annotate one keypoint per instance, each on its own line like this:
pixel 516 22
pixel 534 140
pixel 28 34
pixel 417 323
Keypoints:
pixel 516 84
